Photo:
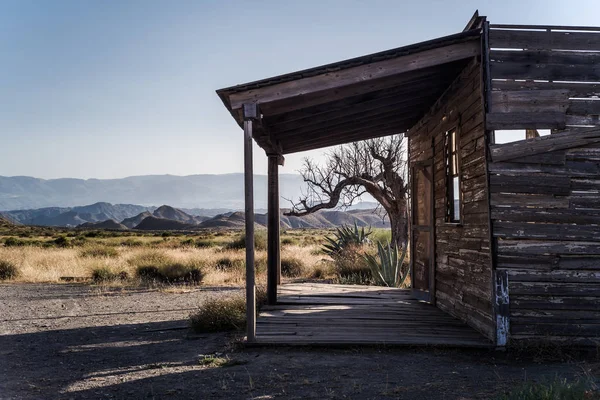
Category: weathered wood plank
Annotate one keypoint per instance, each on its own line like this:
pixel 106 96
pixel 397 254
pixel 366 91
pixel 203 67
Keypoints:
pixel 568 168
pixel 544 184
pixel 552 72
pixel 580 90
pixel 544 40
pixel 358 74
pixel 504 200
pixel 554 289
pixel 559 141
pixel 528 101
pixel 526 120
pixel 554 276
pixel 554 302
pixel 556 215
pixel 539 231
pixel 522 247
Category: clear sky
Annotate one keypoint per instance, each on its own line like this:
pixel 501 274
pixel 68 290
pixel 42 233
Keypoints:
pixel 107 89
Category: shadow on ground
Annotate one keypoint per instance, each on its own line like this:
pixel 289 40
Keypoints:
pixel 161 360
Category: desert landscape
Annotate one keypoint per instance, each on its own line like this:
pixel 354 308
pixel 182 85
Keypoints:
pixel 82 317
pixel 300 200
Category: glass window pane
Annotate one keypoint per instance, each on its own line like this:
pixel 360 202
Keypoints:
pixel 453 136
pixel 454 164
pixel 456 198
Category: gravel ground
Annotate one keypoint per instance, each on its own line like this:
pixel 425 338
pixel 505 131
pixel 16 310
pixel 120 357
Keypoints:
pixel 81 342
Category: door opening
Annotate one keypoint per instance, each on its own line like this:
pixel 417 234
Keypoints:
pixel 422 232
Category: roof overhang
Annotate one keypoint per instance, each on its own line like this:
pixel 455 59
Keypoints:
pixel 371 96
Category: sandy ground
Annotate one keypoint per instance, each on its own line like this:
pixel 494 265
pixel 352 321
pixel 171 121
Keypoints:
pixel 80 342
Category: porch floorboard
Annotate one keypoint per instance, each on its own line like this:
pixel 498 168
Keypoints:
pixel 327 314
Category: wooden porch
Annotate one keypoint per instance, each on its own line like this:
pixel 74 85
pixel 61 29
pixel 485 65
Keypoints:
pixel 321 314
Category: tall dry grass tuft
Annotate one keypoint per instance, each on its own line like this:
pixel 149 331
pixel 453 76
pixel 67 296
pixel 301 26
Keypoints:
pixel 220 265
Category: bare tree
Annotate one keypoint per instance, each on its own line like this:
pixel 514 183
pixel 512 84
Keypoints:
pixel 376 167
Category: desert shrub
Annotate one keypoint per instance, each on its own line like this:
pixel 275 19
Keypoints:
pixel 350 264
pixel 62 241
pixel 158 267
pixel 559 389
pixel 8 270
pixel 99 251
pixel 92 234
pixel 205 243
pixel 320 271
pixel 291 267
pixel 288 241
pixel 129 242
pixel 228 263
pixel 105 274
pixel 187 242
pixel 260 240
pixel 79 240
pixel 227 313
pixel 345 236
pixel 14 242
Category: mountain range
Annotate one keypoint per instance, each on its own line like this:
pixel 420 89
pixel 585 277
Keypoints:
pixel 127 216
pixel 192 192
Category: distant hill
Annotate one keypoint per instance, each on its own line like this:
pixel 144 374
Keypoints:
pixel 321 219
pixel 168 212
pixel 192 192
pixel 73 216
pixel 153 223
pixel 134 221
pixel 5 221
pixel 108 224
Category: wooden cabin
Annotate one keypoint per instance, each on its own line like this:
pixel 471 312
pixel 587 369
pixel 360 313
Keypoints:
pixel 504 234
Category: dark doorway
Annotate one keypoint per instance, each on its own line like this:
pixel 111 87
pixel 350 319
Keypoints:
pixel 422 231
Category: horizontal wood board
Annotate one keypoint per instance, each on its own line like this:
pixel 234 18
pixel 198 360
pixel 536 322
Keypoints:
pixel 544 79
pixel 546 225
pixel 323 314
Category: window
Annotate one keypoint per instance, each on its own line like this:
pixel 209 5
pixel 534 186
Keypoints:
pixel 453 194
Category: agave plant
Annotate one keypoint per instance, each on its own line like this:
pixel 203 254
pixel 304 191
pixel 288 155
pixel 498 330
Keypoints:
pixel 387 270
pixel 344 237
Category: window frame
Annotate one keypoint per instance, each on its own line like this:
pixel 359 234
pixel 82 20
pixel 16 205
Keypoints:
pixel 452 156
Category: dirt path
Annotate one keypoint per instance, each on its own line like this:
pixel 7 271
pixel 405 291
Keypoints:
pixel 77 342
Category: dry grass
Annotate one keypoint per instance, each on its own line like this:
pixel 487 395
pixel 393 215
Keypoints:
pixel 49 264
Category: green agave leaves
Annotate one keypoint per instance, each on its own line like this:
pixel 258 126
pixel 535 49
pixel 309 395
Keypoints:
pixel 387 267
pixel 345 236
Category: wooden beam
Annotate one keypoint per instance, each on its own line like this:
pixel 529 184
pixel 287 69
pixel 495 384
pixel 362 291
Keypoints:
pixel 472 22
pixel 366 88
pixel 406 87
pixel 251 114
pixel 273 244
pixel 361 130
pixel 297 147
pixel 402 104
pixel 393 112
pixel 358 74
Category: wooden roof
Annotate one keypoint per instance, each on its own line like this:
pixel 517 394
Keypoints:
pixel 370 96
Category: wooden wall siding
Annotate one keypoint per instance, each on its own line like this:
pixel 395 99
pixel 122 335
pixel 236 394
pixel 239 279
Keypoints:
pixel 544 79
pixel 463 279
pixel 546 223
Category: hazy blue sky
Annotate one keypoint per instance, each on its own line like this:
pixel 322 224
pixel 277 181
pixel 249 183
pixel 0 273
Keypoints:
pixel 114 88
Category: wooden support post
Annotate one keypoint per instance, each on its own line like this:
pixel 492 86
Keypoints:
pixel 273 246
pixel 250 115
